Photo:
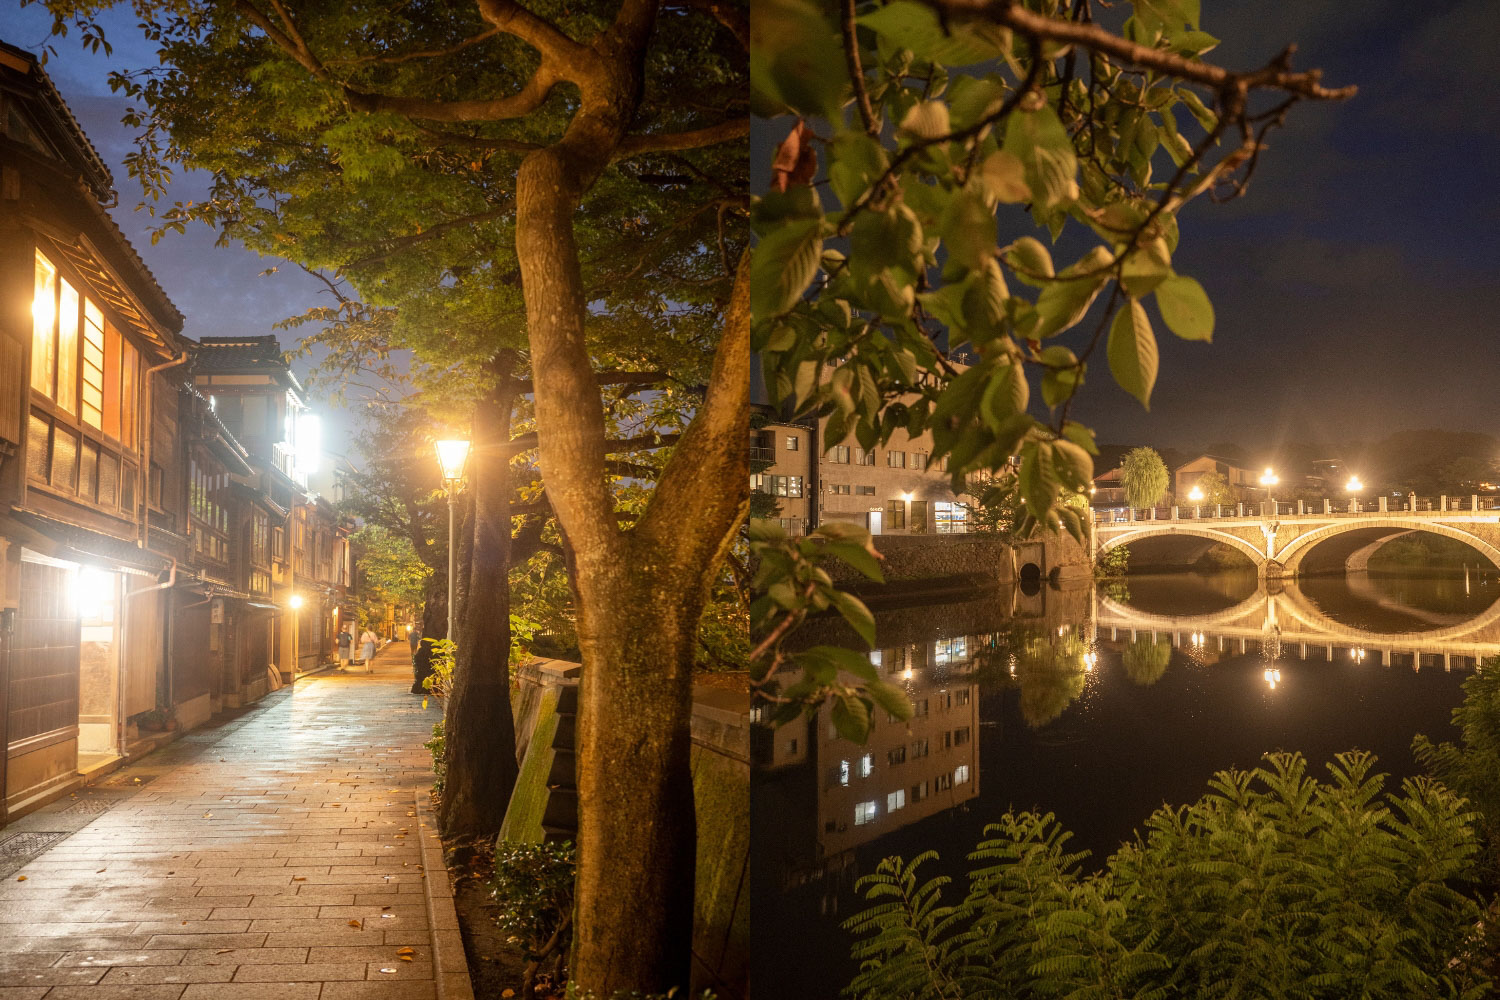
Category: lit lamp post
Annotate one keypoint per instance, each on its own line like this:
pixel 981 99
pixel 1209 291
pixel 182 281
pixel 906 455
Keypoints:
pixel 1268 480
pixel 452 455
pixel 1354 486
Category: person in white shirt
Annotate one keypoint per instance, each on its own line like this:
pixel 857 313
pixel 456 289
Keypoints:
pixel 367 640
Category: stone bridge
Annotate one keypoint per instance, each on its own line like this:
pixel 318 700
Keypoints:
pixel 1277 536
pixel 1284 623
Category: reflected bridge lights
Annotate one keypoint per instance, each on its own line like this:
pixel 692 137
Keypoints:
pixel 1357 654
pixel 1197 639
pixel 1089 660
pixel 1272 676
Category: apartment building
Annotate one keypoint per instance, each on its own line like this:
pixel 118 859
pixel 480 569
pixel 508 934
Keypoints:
pixel 892 489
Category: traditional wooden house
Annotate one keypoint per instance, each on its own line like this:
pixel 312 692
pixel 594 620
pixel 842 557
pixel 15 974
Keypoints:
pixel 89 344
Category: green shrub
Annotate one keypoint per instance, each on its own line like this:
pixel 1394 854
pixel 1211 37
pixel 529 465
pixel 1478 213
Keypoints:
pixel 1112 564
pixel 1271 885
pixel 1472 768
pixel 532 885
pixel 437 746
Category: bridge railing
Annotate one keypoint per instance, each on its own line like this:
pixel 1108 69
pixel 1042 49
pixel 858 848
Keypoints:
pixel 1344 506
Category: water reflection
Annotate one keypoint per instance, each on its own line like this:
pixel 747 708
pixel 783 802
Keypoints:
pixel 1096 705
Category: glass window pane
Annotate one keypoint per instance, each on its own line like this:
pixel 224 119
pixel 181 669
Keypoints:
pixel 37 444
pixel 43 323
pixel 67 349
pixel 64 459
pixel 93 365
pixel 109 480
pixel 111 381
pixel 88 477
pixel 129 360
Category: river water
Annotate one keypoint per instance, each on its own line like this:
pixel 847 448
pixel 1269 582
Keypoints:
pixel 1098 704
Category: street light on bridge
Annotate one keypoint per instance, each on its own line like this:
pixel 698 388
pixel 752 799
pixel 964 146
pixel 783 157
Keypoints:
pixel 1195 494
pixel 1354 485
pixel 1269 479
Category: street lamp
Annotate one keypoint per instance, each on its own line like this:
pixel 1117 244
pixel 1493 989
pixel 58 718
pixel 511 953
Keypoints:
pixel 1354 485
pixel 452 455
pixel 295 601
pixel 1268 480
pixel 1195 494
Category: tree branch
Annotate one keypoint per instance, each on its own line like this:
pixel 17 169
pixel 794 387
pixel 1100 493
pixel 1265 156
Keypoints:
pixel 732 17
pixel 395 244
pixel 517 105
pixel 665 142
pixel 1009 14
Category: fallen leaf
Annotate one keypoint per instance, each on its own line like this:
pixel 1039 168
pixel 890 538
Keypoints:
pixel 385 907
pixel 299 878
pixel 207 815
pixel 223 951
pixel 101 870
pixel 20 878
pixel 356 923
pixel 507 993
pixel 407 958
pixel 406 951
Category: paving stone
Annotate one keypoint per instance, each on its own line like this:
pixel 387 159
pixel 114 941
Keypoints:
pixel 236 863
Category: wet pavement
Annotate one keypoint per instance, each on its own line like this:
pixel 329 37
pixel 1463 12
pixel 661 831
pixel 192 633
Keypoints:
pixel 277 854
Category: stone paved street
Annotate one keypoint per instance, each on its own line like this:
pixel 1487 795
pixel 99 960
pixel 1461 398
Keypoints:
pixel 277 855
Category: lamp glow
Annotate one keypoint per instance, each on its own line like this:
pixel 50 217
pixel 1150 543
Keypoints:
pixel 1354 485
pixel 43 309
pixel 309 443
pixel 91 587
pixel 1270 478
pixel 1195 494
pixel 295 601
pixel 452 456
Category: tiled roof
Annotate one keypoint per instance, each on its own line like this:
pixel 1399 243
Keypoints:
pixel 240 355
pixel 90 544
pixel 103 180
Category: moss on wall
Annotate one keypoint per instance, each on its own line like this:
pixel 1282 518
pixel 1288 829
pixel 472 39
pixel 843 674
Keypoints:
pixel 721 905
pixel 528 802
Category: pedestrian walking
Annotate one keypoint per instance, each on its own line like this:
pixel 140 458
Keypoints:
pixel 414 637
pixel 367 640
pixel 346 650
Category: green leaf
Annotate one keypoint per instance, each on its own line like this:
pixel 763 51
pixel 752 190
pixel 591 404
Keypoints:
pixel 1081 436
pixel 1073 463
pixel 890 698
pixel 1185 308
pixel 796 60
pixel 882 240
pixel 856 614
pixel 1146 268
pixel 1038 479
pixel 1006 395
pixel 1038 140
pixel 783 265
pixel 1066 300
pixel 1003 177
pixel 926 120
pixel 968 230
pixel 858 556
pixel 848 661
pixel 857 161
pixel 984 297
pixel 1199 110
pixel 915 26
pixel 1132 351
pixel 851 719
pixel 1030 260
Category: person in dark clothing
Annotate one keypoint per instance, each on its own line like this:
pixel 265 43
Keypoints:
pixel 414 636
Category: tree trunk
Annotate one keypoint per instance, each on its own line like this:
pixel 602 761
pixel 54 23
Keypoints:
pixel 639 596
pixel 478 726
pixel 434 626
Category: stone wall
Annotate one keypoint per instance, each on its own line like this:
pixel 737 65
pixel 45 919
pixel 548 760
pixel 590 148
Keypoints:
pixel 976 559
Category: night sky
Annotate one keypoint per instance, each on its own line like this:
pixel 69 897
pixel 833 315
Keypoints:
pixel 219 290
pixel 1356 285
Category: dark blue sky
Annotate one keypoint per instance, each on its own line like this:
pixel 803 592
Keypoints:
pixel 1357 285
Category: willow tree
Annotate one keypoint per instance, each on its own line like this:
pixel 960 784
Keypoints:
pixel 543 178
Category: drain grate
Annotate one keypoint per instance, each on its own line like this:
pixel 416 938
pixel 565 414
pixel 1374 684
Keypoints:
pixel 92 806
pixel 19 848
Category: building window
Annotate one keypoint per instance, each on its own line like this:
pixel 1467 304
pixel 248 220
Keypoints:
pixel 919 708
pixel 920 791
pixel 839 454
pixel 792 444
pixel 862 457
pixel 896 756
pixel 864 812
pixel 777 486
pixel 895 515
pixel 919 748
pixel 961 736
pixel 864 491
pixel 949 518
pixel 841 489
pixel 791 746
pixel 844 773
pixel 895 800
pixel 950 650
pixel 896 459
pixel 919 517
pixel 961 696
pixel 866 765
pixel 919 460
pixel 943 783
pixel 961 774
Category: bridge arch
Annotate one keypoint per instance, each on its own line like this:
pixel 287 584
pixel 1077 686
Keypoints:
pixel 1293 552
pixel 1151 530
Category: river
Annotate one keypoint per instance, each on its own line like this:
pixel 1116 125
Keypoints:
pixel 1098 704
